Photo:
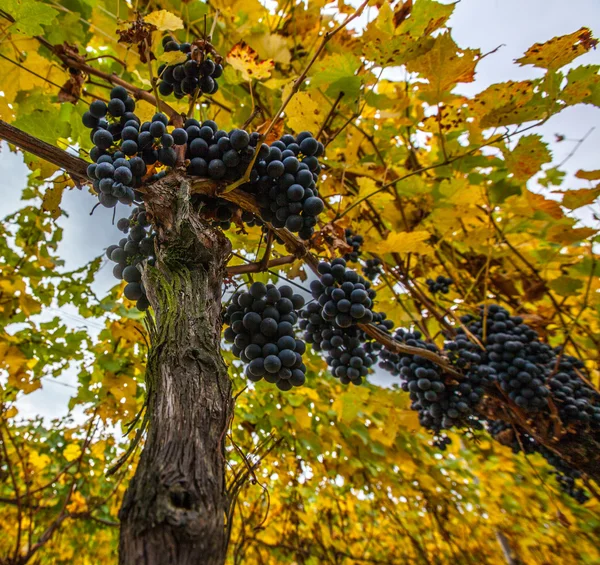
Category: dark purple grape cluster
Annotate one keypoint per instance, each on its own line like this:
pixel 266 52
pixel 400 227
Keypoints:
pixel 344 348
pixel 199 72
pixel 354 241
pixel 261 328
pixel 372 268
pixel 441 403
pixel 440 284
pixel 124 148
pixel 214 153
pixel 285 183
pixel 575 399
pixel 513 355
pixel 131 252
pixel 346 297
pixel 342 300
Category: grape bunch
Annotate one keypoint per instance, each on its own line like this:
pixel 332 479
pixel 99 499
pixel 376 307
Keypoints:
pixel 285 183
pixel 441 404
pixel 372 268
pixel 343 299
pixel 575 399
pixel 199 71
pixel 345 350
pixel 345 296
pixel 131 252
pixel 354 241
pixel 124 148
pixel 261 327
pixel 513 355
pixel 214 153
pixel 440 284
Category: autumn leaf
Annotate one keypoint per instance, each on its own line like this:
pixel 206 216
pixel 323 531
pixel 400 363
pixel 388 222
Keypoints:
pixel 72 452
pixel 527 158
pixel 588 175
pixel 164 20
pixel 406 242
pixel 574 199
pixel 244 59
pixel 52 199
pixel 559 51
pixel 303 112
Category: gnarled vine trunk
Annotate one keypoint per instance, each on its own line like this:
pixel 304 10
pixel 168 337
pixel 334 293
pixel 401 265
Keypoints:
pixel 174 509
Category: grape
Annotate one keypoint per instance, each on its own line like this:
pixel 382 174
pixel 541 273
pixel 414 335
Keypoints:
pixel 157 128
pixel 216 169
pixel 129 147
pixel 131 274
pixel 118 92
pixel 179 136
pixel 116 107
pixel 123 175
pixel 98 109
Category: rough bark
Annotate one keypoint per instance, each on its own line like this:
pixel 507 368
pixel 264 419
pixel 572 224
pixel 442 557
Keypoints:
pixel 174 509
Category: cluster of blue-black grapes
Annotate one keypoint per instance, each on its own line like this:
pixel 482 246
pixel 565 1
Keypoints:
pixel 284 181
pixel 506 353
pixel 355 241
pixel 441 402
pixel 566 476
pixel 131 251
pixel 214 153
pixel 575 399
pixel 124 148
pixel 198 72
pixel 343 299
pixel 261 327
pixel 440 284
pixel 372 268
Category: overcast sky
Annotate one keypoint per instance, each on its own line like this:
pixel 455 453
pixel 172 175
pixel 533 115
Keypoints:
pixel 485 24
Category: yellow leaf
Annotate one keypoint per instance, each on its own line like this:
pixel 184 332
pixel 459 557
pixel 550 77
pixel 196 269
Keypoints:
pixel 172 58
pixel 406 242
pixel 72 452
pixel 445 65
pixel 559 51
pixel 39 462
pixel 304 113
pixel 573 199
pixel 164 21
pixel 52 199
pixel 272 46
pixel 245 60
pixel 460 192
pixel 526 159
pixel 303 420
pixel 77 503
pixel 568 235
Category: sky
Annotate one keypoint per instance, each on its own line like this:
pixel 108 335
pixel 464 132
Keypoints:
pixel 483 24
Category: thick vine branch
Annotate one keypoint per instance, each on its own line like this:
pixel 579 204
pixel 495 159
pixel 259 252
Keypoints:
pixel 75 166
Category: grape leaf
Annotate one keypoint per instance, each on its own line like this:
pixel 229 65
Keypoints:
pixel 559 51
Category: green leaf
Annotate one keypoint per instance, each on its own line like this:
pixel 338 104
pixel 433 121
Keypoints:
pixel 29 15
pixel 566 286
pixel 338 72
